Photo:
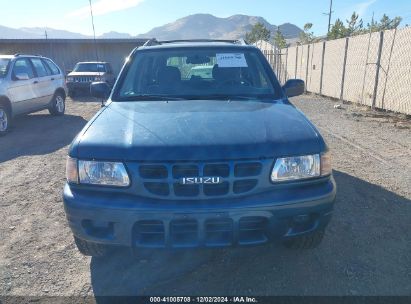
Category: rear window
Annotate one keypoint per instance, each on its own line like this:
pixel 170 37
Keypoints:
pixel 198 73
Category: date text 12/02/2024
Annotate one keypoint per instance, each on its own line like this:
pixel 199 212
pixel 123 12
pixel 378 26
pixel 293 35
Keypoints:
pixel 203 300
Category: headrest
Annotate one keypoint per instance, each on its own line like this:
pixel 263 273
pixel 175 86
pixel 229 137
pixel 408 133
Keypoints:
pixel 222 74
pixel 169 75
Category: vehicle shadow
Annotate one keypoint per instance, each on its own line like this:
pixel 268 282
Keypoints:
pixel 365 252
pixel 39 134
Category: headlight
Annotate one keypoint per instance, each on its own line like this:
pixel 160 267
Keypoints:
pixel 97 173
pixel 103 173
pixel 301 167
pixel 69 79
pixel 99 78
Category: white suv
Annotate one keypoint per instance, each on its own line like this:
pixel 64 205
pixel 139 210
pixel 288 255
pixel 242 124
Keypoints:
pixel 29 84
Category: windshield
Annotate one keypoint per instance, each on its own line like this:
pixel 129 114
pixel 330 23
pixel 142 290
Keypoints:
pixel 4 67
pixel 196 74
pixel 89 67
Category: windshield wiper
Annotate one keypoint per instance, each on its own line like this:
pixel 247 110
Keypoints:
pixel 227 97
pixel 152 97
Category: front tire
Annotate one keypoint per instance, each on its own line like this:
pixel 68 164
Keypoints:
pixel 309 241
pixel 5 120
pixel 58 105
pixel 91 249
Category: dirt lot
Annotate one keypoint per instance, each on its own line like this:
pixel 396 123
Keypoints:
pixel 366 251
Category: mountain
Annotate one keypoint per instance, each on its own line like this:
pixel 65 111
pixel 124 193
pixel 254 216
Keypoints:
pixel 40 33
pixel 115 35
pixel 207 26
pixel 10 33
pixel 204 26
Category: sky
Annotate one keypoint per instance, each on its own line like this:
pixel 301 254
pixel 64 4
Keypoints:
pixel 140 16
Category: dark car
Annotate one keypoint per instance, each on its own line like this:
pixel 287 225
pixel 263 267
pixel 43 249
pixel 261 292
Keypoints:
pixel 177 160
pixel 85 73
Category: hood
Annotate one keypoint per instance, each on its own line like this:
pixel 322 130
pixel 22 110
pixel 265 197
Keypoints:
pixel 196 130
pixel 85 74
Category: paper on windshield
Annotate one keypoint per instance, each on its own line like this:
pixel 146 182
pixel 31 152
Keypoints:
pixel 231 60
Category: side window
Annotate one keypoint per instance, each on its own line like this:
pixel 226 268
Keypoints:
pixel 39 67
pixel 23 66
pixel 53 68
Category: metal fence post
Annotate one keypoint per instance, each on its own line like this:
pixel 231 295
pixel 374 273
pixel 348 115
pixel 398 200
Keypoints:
pixel 296 62
pixel 286 65
pixel 344 67
pixel 365 69
pixel 322 68
pixel 280 65
pixel 306 70
pixel 377 74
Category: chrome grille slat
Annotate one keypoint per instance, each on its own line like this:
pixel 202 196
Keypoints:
pixel 83 79
pixel 163 180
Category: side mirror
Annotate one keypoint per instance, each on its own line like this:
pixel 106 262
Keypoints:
pixel 294 87
pixel 100 89
pixel 22 76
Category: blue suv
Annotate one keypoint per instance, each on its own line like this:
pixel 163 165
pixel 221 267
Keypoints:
pixel 198 146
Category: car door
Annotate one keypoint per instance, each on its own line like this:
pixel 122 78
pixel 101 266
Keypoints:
pixel 44 88
pixel 22 87
pixel 57 77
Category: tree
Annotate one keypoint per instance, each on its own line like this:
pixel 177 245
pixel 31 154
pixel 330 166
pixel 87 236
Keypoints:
pixel 279 39
pixel 386 23
pixel 307 36
pixel 389 24
pixel 258 32
pixel 338 30
pixel 354 26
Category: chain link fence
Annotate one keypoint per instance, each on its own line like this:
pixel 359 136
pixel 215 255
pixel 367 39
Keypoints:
pixel 372 69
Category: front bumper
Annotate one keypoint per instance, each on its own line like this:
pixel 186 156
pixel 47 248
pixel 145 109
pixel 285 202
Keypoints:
pixel 81 86
pixel 125 220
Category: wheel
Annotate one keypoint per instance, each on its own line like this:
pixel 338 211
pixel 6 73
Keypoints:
pixel 91 249
pixel 58 105
pixel 309 241
pixel 5 120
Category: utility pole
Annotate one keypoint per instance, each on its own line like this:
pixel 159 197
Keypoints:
pixel 329 14
pixel 94 31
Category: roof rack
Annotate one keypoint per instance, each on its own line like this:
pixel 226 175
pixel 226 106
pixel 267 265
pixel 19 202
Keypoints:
pixel 151 42
pixel 20 54
pixel 240 41
pixel 154 41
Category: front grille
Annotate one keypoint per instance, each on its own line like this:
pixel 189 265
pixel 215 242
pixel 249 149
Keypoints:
pixel 84 79
pixel 247 169
pixel 211 232
pixel 184 233
pixel 252 230
pixel 219 232
pixel 165 180
pixel 149 234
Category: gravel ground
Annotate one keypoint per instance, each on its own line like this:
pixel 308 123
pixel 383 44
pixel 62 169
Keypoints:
pixel 366 251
